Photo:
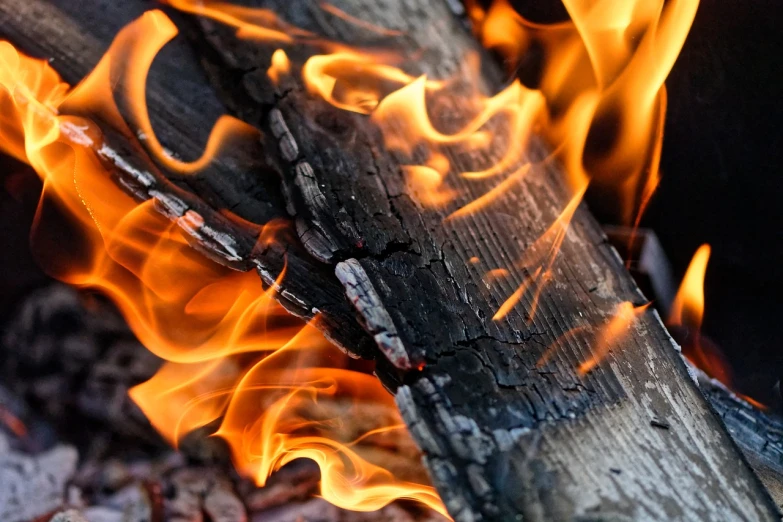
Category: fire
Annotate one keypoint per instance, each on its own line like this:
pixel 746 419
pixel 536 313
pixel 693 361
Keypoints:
pixel 280 390
pixel 688 306
pixel 276 386
pixel 619 50
pixel 685 319
pixel 611 334
pixel 599 100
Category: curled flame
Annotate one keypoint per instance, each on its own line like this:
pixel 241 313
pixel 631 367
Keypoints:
pixel 599 99
pixel 233 352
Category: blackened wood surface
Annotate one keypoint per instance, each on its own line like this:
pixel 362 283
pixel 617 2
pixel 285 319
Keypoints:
pixel 758 434
pixel 504 440
pixel 183 108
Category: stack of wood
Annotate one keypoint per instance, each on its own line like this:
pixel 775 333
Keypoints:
pixel 502 438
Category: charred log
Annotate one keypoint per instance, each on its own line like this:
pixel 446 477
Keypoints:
pixel 502 437
pixel 183 108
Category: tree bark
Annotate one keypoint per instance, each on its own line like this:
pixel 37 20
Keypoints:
pixel 503 438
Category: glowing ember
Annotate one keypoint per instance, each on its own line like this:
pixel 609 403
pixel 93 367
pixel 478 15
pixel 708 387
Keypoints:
pixel 280 388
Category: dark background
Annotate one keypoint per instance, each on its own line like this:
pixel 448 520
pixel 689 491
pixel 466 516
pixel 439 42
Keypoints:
pixel 723 179
pixel 722 182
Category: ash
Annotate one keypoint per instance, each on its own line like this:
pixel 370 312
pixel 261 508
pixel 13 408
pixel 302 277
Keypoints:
pixel 75 448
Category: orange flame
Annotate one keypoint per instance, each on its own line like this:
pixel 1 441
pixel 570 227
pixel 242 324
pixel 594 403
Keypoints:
pixel 599 100
pixel 688 306
pixel 622 50
pixel 549 242
pixel 611 334
pixel 607 336
pixel 686 315
pixel 339 13
pixel 251 23
pixel 233 351
pixel 279 67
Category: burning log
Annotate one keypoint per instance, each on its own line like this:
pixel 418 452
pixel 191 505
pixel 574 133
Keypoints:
pixel 514 411
pixel 74 37
pixel 502 434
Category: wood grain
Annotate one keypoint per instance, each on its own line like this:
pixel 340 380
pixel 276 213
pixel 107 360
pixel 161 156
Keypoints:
pixel 503 439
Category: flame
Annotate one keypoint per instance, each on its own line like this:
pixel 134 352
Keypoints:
pixel 280 66
pixel 621 50
pixel 686 315
pixel 549 242
pixel 601 342
pixel 250 23
pixel 359 79
pixel 339 13
pixel 233 352
pixel 599 100
pixel 611 334
pixel 688 306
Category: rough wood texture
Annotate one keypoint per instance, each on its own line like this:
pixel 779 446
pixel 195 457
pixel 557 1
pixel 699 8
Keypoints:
pixel 183 107
pixel 758 435
pixel 503 439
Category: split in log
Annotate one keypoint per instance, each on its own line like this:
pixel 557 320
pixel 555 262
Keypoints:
pixel 502 436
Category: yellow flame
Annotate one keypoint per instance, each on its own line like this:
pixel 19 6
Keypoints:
pixel 281 66
pixel 233 352
pixel 688 306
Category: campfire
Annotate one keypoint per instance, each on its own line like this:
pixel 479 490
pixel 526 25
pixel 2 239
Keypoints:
pixel 351 239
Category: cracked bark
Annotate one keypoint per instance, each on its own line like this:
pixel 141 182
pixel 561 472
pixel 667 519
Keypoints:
pixel 74 37
pixel 503 439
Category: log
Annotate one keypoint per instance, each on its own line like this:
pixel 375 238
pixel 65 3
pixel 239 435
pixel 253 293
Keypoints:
pixel 183 107
pixel 758 435
pixel 503 439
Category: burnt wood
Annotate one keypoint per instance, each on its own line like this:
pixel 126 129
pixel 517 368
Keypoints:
pixel 183 108
pixel 758 435
pixel 503 439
